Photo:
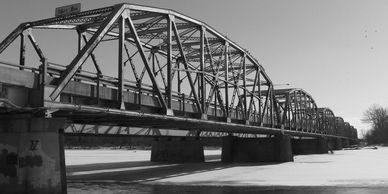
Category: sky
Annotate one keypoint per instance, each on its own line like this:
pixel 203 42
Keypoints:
pixel 337 51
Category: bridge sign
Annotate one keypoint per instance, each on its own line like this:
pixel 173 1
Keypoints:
pixel 68 9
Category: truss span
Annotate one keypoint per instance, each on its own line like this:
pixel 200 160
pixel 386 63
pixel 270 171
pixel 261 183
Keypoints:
pixel 297 110
pixel 168 70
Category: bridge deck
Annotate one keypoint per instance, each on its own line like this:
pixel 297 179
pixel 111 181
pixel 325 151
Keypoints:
pixel 80 111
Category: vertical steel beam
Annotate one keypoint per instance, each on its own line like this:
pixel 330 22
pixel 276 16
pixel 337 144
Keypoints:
pixel 320 119
pixel 316 124
pixel 120 88
pixel 245 87
pixel 300 110
pixel 276 109
pixel 301 99
pixel 43 74
pixel 289 111
pixel 295 111
pixel 22 56
pixel 215 102
pixel 202 69
pixel 226 65
pixel 144 59
pixel 272 103
pixel 326 121
pixel 169 63
pixel 80 42
pixel 86 50
pixel 179 76
pixel 299 103
pixel 259 91
pixel 292 113
pixel 285 110
pixel 152 55
pixel 308 114
pixel 305 111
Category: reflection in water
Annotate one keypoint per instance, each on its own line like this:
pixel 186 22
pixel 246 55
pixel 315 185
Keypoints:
pixel 108 188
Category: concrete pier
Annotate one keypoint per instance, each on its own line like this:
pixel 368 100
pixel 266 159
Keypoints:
pixel 309 146
pixel 32 155
pixel 336 143
pixel 277 149
pixel 345 143
pixel 179 150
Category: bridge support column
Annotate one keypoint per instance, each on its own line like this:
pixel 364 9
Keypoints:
pixel 309 146
pixel 182 150
pixel 277 149
pixel 32 155
pixel 353 142
pixel 336 143
pixel 345 143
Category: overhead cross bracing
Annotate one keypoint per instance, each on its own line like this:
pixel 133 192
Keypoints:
pixel 172 71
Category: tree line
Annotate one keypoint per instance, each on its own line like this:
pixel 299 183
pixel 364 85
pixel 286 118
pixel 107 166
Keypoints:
pixel 377 116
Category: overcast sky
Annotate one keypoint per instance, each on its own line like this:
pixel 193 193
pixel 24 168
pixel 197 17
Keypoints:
pixel 335 50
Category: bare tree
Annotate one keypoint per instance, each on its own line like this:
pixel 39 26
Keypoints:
pixel 378 117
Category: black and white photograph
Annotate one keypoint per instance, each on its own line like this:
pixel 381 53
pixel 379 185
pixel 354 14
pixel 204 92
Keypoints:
pixel 193 97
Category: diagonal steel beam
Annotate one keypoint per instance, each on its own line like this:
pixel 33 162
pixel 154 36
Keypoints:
pixel 98 69
pixel 253 91
pixel 12 36
pixel 144 58
pixel 36 46
pixel 179 43
pixel 85 52
pixel 214 87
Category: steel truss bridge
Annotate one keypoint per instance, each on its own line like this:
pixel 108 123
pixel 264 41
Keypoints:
pixel 150 68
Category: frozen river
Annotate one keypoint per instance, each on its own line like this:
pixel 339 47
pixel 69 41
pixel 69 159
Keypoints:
pixel 129 171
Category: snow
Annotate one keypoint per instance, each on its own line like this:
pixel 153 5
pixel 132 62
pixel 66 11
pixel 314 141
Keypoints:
pixel 79 157
pixel 359 168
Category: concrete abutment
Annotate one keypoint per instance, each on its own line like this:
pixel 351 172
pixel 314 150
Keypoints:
pixel 32 155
